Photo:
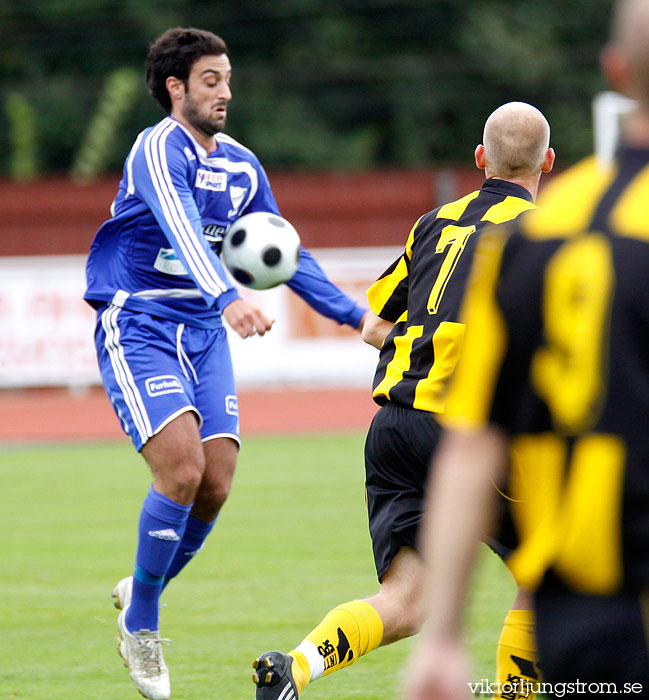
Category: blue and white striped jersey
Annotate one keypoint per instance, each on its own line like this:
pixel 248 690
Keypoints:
pixel 159 251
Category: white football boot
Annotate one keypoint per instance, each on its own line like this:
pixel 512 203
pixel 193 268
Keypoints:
pixel 122 593
pixel 141 651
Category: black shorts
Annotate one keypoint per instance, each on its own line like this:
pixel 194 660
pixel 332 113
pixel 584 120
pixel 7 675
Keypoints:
pixel 398 451
pixel 591 639
pixel 505 539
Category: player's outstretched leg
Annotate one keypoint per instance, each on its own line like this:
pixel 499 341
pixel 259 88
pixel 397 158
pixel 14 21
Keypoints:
pixel 345 634
pixel 274 677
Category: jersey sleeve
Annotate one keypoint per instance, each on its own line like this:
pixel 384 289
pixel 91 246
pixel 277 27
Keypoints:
pixel 388 296
pixel 312 284
pixel 160 177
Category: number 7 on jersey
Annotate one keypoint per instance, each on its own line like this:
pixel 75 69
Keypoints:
pixel 454 238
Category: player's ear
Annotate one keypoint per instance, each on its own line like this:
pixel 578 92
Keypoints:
pixel 548 162
pixel 480 160
pixel 175 88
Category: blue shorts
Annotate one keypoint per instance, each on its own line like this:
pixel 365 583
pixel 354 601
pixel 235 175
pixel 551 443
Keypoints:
pixel 154 369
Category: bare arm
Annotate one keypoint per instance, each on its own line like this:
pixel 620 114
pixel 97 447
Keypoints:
pixel 375 329
pixel 458 515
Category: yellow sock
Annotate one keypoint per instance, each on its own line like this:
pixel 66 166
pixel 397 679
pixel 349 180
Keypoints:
pixel 346 633
pixel 517 658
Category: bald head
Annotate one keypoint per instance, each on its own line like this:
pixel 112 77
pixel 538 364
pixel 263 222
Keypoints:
pixel 516 139
pixel 630 37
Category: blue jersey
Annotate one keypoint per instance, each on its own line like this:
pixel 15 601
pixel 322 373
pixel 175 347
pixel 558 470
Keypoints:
pixel 159 251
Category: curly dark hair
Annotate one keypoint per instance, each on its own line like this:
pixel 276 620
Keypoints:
pixel 173 54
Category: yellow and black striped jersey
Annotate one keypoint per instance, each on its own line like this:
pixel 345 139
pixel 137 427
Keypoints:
pixel 557 354
pixel 422 290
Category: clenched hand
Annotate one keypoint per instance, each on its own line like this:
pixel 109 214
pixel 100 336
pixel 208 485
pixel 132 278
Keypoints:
pixel 246 318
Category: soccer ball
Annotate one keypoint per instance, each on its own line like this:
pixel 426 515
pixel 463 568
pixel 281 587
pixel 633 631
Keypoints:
pixel 261 250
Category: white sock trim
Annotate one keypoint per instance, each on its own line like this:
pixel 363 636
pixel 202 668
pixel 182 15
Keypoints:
pixel 313 657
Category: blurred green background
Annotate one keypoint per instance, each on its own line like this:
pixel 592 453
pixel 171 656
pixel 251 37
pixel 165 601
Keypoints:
pixel 318 84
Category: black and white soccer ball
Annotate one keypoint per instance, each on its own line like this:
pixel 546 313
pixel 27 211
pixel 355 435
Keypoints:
pixel 261 250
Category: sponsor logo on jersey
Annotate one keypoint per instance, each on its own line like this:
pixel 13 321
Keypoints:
pixel 163 384
pixel 236 196
pixel 214 235
pixel 168 262
pixel 209 180
pixel 231 405
pixel 169 535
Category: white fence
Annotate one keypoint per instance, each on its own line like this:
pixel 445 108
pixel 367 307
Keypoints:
pixel 46 329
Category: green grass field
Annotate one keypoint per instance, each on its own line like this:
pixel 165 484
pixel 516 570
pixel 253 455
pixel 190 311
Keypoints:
pixel 291 543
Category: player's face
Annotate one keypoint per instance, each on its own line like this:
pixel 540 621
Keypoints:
pixel 205 105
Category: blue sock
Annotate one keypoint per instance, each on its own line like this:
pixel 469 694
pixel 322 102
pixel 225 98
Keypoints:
pixel 192 542
pixel 161 528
